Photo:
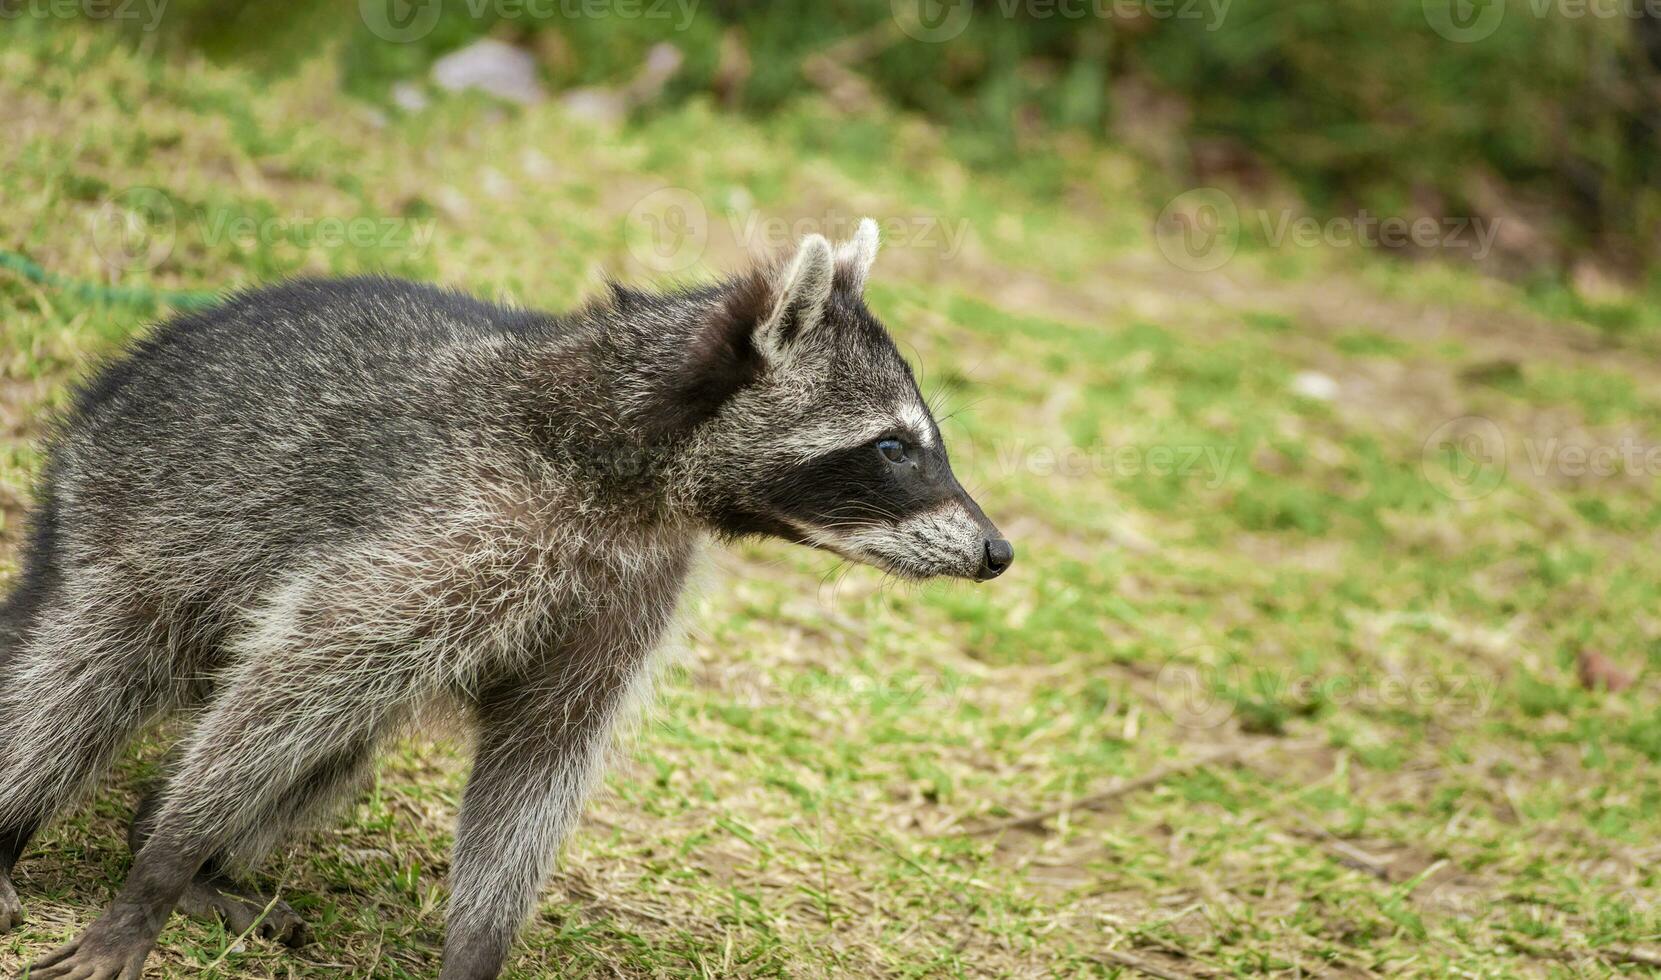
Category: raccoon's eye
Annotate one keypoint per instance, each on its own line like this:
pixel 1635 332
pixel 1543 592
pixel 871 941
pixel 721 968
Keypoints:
pixel 892 450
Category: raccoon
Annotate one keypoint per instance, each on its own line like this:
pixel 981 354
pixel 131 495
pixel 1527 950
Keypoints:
pixel 320 508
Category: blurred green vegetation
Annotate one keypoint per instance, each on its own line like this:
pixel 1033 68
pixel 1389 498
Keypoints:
pixel 1549 122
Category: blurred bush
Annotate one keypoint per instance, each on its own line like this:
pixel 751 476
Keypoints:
pixel 1545 114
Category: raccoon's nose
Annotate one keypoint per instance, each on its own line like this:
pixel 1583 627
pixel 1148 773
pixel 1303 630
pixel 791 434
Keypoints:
pixel 995 558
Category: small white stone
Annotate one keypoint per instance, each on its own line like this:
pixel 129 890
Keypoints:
pixel 536 164
pixel 490 66
pixel 1314 384
pixel 602 107
pixel 495 183
pixel 409 96
pixel 364 855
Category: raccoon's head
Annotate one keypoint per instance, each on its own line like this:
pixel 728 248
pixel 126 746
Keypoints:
pixel 821 436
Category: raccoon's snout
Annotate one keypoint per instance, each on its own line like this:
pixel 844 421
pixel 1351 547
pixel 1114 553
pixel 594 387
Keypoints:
pixel 995 558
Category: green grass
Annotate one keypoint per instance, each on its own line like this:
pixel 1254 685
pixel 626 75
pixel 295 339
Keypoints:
pixel 1373 640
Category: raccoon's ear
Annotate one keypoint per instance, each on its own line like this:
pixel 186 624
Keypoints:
pixel 855 257
pixel 800 294
pixel 720 357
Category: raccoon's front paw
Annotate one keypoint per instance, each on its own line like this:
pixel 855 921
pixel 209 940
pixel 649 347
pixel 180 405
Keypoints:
pixel 11 910
pixel 92 957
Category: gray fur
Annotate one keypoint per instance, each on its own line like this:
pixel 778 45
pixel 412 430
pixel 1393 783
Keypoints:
pixel 318 509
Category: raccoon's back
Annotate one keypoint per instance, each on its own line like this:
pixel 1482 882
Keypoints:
pixel 306 332
pixel 282 419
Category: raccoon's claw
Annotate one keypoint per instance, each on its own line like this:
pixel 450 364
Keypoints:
pixel 11 910
pixel 211 901
pixel 79 960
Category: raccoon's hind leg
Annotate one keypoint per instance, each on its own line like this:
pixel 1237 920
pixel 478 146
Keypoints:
pixel 82 672
pixel 15 837
pixel 286 711
pixel 216 896
pixel 17 613
pixel 11 910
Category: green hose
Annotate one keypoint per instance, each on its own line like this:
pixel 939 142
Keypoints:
pixel 142 296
